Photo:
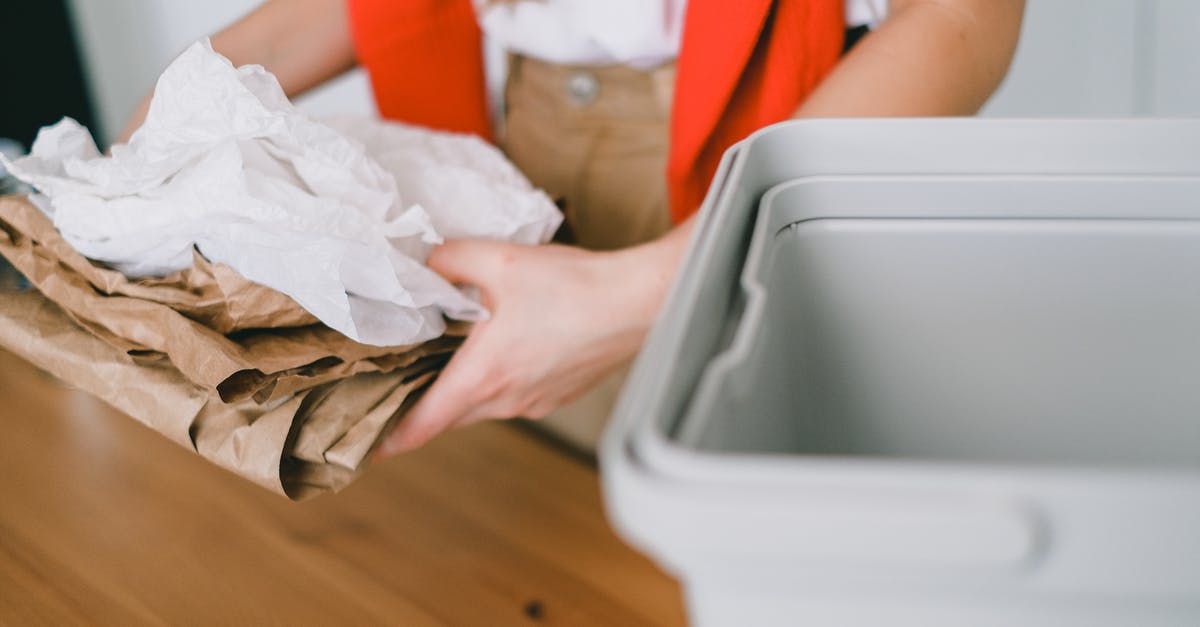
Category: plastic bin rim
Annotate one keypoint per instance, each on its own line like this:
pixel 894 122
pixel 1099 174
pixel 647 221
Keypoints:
pixel 640 444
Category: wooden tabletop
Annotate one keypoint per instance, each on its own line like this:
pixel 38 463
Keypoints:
pixel 103 521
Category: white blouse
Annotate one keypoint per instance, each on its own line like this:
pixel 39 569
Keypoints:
pixel 639 33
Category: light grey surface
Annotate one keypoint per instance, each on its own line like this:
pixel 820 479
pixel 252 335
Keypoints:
pixel 1104 58
pixel 973 318
pixel 925 147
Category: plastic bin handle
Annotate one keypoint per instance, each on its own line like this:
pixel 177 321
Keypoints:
pixel 933 531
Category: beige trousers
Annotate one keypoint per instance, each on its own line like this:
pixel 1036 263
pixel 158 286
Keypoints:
pixel 595 138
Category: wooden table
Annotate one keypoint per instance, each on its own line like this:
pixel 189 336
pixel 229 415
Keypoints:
pixel 103 521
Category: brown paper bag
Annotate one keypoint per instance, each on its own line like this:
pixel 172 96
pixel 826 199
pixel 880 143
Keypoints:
pixel 172 316
pixel 310 443
pixel 212 294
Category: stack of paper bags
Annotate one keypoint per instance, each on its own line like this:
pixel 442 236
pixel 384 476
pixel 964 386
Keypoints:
pixel 248 280
pixel 233 370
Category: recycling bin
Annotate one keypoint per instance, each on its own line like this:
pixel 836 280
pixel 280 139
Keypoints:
pixel 928 372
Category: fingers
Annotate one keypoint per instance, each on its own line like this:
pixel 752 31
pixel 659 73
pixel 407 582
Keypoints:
pixel 514 363
pixel 418 426
pixel 446 401
pixel 468 261
pixel 462 388
pixel 458 391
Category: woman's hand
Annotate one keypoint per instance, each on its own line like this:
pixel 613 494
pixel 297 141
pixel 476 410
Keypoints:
pixel 561 319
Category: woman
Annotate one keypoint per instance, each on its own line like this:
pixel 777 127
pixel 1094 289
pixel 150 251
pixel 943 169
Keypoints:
pixel 621 108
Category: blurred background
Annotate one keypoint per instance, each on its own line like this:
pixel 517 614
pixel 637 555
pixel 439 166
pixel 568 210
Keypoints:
pixel 94 59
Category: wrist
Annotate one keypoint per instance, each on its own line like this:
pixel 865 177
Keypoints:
pixel 646 273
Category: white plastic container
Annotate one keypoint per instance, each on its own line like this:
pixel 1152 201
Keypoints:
pixel 929 372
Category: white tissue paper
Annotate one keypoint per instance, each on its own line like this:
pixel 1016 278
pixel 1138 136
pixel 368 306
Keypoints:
pixel 340 215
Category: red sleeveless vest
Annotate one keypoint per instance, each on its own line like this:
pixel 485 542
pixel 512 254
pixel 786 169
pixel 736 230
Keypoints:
pixel 742 65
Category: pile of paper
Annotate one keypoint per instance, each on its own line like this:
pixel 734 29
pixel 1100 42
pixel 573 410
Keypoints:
pixel 248 281
pixel 231 369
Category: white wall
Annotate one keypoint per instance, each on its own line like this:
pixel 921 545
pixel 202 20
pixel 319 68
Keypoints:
pixel 1104 58
pixel 127 43
pixel 1076 57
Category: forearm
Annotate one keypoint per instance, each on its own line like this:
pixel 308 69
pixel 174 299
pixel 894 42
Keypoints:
pixel 929 58
pixel 303 42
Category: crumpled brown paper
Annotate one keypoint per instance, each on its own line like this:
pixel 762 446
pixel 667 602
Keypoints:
pixel 272 349
pixel 230 369
pixel 314 442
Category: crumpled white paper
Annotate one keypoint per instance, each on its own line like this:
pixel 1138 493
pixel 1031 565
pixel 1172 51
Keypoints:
pixel 338 215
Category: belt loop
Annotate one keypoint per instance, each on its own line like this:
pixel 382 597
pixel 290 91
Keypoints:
pixel 514 65
pixel 662 81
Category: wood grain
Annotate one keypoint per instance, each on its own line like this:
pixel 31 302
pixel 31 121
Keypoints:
pixel 104 522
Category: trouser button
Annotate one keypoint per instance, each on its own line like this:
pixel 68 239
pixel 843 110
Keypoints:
pixel 582 87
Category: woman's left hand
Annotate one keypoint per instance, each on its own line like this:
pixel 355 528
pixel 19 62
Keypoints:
pixel 561 319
